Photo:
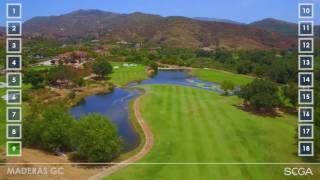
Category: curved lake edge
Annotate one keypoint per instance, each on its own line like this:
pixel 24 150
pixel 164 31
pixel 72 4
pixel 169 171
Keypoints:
pixel 136 127
pixel 132 119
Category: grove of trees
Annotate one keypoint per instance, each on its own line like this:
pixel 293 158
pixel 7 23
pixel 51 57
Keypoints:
pixel 93 138
pixel 261 93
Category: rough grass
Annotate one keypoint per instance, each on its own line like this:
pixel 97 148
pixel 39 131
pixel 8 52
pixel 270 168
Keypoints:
pixel 126 75
pixel 218 76
pixel 198 126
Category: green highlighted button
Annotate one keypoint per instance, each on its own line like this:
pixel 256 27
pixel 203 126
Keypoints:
pixel 14 148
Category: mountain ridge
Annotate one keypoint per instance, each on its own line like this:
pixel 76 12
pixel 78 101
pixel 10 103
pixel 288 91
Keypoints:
pixel 175 31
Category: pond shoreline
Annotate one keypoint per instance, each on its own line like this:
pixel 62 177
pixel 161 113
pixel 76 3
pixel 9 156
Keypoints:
pixel 140 151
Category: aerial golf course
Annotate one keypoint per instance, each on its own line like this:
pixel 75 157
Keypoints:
pixel 192 125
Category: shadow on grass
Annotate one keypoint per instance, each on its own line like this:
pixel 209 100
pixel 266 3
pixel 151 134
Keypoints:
pixel 266 112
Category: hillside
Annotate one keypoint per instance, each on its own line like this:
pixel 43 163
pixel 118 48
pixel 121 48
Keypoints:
pixel 283 27
pixel 171 31
pixel 218 20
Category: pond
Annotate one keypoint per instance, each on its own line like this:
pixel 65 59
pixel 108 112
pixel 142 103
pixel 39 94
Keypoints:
pixel 179 77
pixel 115 105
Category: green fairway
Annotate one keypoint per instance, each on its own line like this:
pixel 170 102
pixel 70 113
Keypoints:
pixel 198 126
pixel 41 68
pixel 218 76
pixel 125 75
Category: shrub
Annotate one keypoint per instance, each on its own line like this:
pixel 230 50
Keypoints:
pixel 96 139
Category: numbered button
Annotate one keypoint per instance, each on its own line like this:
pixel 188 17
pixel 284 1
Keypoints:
pixel 305 45
pixel 305 97
pixel 14 45
pixel 305 62
pixel 13 11
pixel 306 28
pixel 305 131
pixel 14 62
pixel 305 114
pixel 13 97
pixel 14 80
pixel 14 114
pixel 13 131
pixel 14 148
pixel 13 28
pixel 305 148
pixel 305 10
pixel 305 80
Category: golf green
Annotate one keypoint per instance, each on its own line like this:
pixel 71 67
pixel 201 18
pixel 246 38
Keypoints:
pixel 197 126
pixel 124 75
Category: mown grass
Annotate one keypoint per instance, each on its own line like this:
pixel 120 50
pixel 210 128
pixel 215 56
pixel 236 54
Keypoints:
pixel 198 126
pixel 218 76
pixel 126 75
pixel 41 68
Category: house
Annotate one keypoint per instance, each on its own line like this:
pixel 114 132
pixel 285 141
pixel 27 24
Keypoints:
pixel 102 51
pixel 122 42
pixel 153 50
pixel 208 49
pixel 75 58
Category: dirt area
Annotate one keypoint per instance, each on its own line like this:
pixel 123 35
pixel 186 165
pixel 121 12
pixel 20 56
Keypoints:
pixel 45 171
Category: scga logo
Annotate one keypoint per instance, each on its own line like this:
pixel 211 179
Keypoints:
pixel 297 171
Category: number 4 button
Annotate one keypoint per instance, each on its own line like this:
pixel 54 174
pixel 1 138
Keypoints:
pixel 14 62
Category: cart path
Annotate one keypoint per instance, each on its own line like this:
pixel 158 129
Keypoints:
pixel 146 148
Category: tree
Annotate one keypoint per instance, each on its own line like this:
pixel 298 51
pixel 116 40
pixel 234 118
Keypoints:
pixel 261 93
pixel 227 86
pixel 62 76
pixel 279 72
pixel 154 66
pixel 33 77
pixel 101 67
pixel 56 126
pixel 51 130
pixel 244 67
pixel 96 139
pixel 290 91
pixel 260 70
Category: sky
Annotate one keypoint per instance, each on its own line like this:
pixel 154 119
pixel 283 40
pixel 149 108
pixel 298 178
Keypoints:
pixel 244 11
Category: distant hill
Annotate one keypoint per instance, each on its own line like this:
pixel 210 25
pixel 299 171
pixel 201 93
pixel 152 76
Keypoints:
pixel 283 27
pixel 2 30
pixel 217 20
pixel 171 31
pixel 275 25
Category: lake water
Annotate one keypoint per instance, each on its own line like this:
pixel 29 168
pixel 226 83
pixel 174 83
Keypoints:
pixel 179 77
pixel 115 105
